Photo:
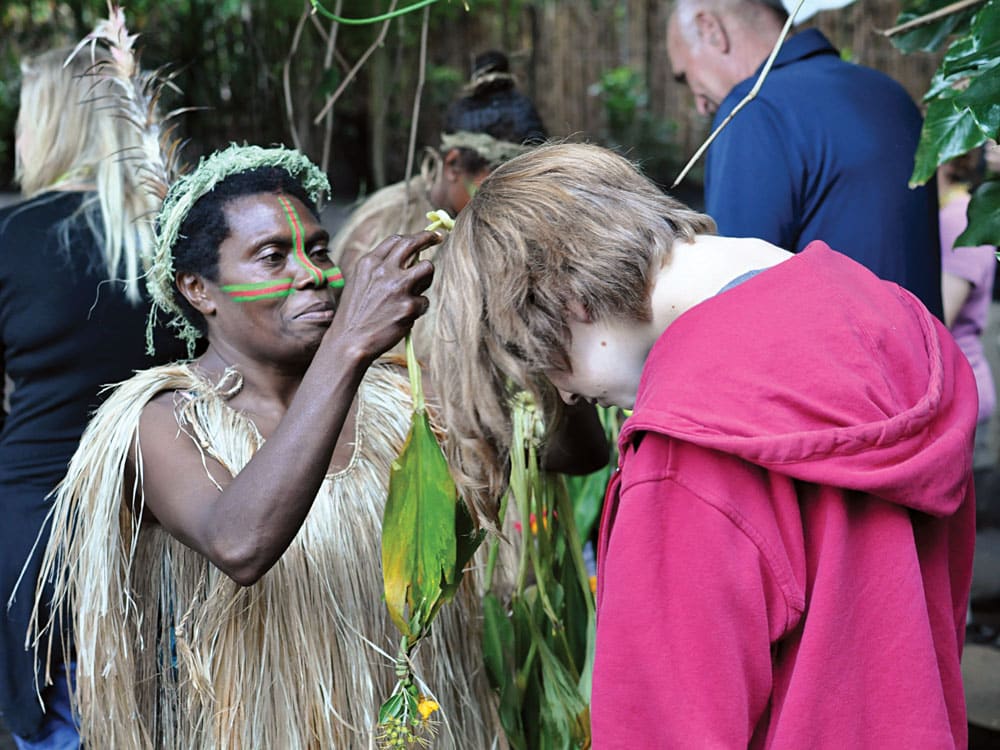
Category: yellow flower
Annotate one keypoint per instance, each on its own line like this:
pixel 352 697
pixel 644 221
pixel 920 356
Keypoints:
pixel 593 584
pixel 426 707
pixel 439 220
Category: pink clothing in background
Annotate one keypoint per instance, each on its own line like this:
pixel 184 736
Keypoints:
pixel 786 549
pixel 977 265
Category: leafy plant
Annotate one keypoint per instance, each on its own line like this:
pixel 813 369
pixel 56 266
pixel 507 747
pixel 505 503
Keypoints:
pixel 963 101
pixel 631 125
pixel 539 645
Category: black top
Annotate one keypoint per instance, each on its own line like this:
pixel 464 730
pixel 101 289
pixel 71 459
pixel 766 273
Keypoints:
pixel 65 331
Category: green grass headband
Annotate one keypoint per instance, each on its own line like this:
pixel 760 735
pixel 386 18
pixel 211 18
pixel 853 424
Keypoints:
pixel 184 193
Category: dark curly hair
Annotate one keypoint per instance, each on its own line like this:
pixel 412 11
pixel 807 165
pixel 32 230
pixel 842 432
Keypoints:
pixel 492 104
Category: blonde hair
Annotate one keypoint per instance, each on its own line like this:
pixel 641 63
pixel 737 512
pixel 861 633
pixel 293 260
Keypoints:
pixel 560 225
pixel 76 135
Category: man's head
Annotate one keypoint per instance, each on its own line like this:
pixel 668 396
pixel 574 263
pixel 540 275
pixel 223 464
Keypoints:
pixel 715 44
pixel 563 233
pixel 193 222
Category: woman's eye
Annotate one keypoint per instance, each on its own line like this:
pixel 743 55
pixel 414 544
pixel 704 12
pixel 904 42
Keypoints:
pixel 272 258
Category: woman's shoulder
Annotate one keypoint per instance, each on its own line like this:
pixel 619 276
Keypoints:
pixel 41 213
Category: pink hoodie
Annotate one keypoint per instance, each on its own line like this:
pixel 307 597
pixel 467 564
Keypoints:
pixel 786 550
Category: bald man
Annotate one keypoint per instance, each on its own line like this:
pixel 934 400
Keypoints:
pixel 824 151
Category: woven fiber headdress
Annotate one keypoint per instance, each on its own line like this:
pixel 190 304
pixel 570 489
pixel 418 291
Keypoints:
pixel 181 197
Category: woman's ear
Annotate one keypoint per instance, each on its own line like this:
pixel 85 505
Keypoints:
pixel 578 312
pixel 192 286
pixel 452 165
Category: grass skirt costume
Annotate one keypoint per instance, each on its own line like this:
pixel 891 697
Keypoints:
pixel 173 654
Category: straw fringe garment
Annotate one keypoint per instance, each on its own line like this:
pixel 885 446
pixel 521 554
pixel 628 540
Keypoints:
pixel 173 654
pixel 384 213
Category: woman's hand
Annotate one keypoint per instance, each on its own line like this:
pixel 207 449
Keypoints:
pixel 383 296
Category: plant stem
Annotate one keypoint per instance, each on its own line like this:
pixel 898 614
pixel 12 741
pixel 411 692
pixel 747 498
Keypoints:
pixel 318 7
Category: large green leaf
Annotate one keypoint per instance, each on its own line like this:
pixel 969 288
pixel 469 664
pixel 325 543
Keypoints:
pixel 467 541
pixel 498 654
pixel 949 131
pixel 930 36
pixel 982 99
pixel 979 47
pixel 419 549
pixel 984 217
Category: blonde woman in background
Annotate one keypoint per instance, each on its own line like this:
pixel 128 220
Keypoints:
pixel 72 318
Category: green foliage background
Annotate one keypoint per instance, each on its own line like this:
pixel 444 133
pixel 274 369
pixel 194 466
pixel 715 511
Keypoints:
pixel 963 100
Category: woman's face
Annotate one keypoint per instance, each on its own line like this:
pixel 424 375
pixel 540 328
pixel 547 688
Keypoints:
pixel 459 184
pixel 276 292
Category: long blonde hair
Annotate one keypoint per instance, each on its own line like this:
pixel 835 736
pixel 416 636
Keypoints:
pixel 68 132
pixel 563 224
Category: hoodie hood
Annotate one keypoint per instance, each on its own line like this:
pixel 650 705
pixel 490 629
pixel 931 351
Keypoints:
pixel 819 370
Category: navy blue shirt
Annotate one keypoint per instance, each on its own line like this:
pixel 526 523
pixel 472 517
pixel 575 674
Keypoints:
pixel 825 152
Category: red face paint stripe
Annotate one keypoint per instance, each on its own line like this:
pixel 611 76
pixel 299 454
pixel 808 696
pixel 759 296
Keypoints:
pixel 259 296
pixel 300 253
pixel 270 289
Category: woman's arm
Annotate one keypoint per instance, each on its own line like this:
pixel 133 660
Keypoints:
pixel 246 527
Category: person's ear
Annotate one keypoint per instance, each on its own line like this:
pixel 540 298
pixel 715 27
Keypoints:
pixel 193 287
pixel 452 165
pixel 577 311
pixel 712 31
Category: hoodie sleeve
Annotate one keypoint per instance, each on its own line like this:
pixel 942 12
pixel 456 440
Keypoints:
pixel 688 607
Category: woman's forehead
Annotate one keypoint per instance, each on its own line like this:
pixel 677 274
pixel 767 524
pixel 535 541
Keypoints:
pixel 267 211
pixel 262 217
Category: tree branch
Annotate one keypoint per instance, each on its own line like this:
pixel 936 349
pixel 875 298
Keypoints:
pixel 930 17
pixel 357 66
pixel 415 116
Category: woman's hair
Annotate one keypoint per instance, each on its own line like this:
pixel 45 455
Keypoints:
pixel 562 224
pixel 68 132
pixel 490 104
pixel 205 227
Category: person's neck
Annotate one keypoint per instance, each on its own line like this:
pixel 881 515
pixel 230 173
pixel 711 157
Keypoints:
pixel 696 271
pixel 265 385
pixel 753 45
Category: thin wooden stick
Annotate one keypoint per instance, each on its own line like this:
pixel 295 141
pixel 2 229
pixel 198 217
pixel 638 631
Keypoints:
pixel 932 16
pixel 357 66
pixel 746 100
pixel 415 115
pixel 331 49
pixel 286 76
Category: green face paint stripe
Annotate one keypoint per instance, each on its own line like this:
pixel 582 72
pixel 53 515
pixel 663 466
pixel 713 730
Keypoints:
pixel 256 293
pixel 257 285
pixel 266 295
pixel 334 277
pixel 298 241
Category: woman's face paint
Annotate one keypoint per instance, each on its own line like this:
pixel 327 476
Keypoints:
pixel 278 287
pixel 283 287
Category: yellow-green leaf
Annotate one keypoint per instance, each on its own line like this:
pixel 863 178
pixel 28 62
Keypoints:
pixel 418 530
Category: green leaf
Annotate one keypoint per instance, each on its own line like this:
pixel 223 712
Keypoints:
pixel 587 492
pixel 391 709
pixel 982 99
pixel 928 37
pixel 468 539
pixel 498 642
pixel 418 530
pixel 984 217
pixel 948 132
